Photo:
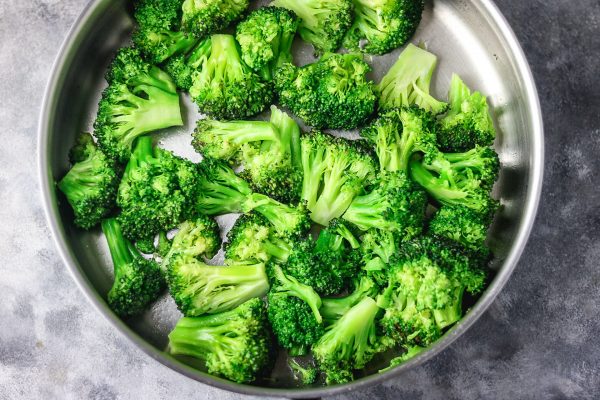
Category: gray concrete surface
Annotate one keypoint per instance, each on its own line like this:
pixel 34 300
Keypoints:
pixel 539 340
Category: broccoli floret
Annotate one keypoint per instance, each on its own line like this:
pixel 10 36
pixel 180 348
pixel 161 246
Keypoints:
pixel 287 220
pixel 204 17
pixel 452 181
pixel 294 313
pixel 333 92
pixel 158 33
pixel 233 344
pixel 268 151
pixel 334 171
pixel 164 245
pixel 306 375
pixel 140 98
pixel 462 225
pixel 411 351
pixel 322 22
pixel 199 237
pixel 157 191
pixel 91 184
pixel 349 343
pixel 137 281
pixel 392 203
pixel 378 247
pixel 199 288
pixel 468 122
pixel 399 133
pixel 407 82
pixel 332 309
pixel 380 26
pixel 252 238
pixel 182 66
pixel 265 39
pixel 226 88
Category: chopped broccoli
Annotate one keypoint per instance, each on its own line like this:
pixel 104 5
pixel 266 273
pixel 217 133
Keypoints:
pixel 157 191
pixel 332 309
pixel 233 344
pixel 294 313
pixel 306 375
pixel 195 238
pixel 265 39
pixel 158 33
pixel 392 203
pixel 181 67
pixel 335 170
pixel 91 184
pixel 164 245
pixel 138 281
pixel 378 247
pixel 224 87
pixel 407 82
pixel 468 122
pixel 199 288
pixel 140 98
pixel 411 351
pixel 204 17
pixel 333 92
pixel 380 26
pixel 287 220
pixel 322 22
pixel 462 225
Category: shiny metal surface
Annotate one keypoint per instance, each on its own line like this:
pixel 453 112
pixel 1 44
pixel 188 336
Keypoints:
pixel 470 37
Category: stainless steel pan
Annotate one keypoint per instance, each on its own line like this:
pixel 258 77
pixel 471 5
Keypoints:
pixel 470 37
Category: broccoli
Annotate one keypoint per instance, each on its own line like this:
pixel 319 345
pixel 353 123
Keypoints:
pixel 399 133
pixel 91 184
pixel 195 238
pixel 468 122
pixel 333 92
pixel 407 82
pixel 224 87
pixel 332 309
pixel 378 247
pixel 287 220
pixel 349 343
pixel 269 151
pixel 164 245
pixel 335 170
pixel 392 203
pixel 204 17
pixel 459 179
pixel 157 191
pixel 306 375
pixel 322 22
pixel 181 67
pixel 158 34
pixel 462 225
pixel 199 288
pixel 138 281
pixel 380 26
pixel 265 39
pixel 294 312
pixel 140 98
pixel 233 344
pixel 411 351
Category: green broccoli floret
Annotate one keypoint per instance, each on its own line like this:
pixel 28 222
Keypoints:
pixel 233 344
pixel 333 92
pixel 195 238
pixel 288 221
pixel 407 82
pixel 157 191
pixel 392 203
pixel 164 245
pixel 226 88
pixel 335 170
pixel 468 122
pixel 158 33
pixel 378 247
pixel 322 22
pixel 265 39
pixel 306 375
pixel 181 67
pixel 199 288
pixel 399 133
pixel 462 225
pixel 140 98
pixel 294 313
pixel 91 184
pixel 332 309
pixel 138 281
pixel 380 26
pixel 411 351
pixel 451 180
pixel 204 17
pixel 349 343
pixel 268 151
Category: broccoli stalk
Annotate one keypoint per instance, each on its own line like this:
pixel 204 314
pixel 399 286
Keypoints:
pixel 204 17
pixel 407 82
pixel 287 220
pixel 233 344
pixel 306 375
pixel 181 67
pixel 137 281
pixel 332 309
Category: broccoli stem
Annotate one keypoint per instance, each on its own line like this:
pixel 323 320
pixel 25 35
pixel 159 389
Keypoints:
pixel 80 180
pixel 290 286
pixel 434 186
pixel 121 250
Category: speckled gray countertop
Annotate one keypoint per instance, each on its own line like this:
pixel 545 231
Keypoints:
pixel 539 340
